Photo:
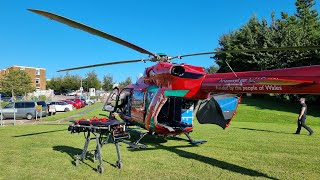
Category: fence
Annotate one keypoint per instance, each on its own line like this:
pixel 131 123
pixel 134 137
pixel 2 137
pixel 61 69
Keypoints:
pixel 3 102
pixel 12 110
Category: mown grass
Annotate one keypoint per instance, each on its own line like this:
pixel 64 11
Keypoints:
pixel 71 114
pixel 259 144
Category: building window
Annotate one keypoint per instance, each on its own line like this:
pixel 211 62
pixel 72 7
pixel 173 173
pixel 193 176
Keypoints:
pixel 37 80
pixel 37 88
pixel 37 71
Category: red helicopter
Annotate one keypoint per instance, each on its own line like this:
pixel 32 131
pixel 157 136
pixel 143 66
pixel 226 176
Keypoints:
pixel 164 100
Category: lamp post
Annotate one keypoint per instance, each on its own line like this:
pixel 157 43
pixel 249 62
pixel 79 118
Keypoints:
pixel 81 88
pixel 1 117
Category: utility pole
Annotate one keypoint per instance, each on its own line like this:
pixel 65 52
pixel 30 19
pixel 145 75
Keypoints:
pixel 81 88
pixel 1 118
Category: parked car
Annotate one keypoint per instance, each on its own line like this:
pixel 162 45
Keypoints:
pixel 51 110
pixel 78 101
pixel 60 106
pixel 87 100
pixel 5 98
pixel 24 109
pixel 81 102
pixel 71 93
pixel 76 105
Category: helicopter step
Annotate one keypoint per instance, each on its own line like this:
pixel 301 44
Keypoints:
pixel 136 145
pixel 193 142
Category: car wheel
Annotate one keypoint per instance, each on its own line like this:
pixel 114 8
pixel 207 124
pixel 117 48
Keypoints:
pixel 66 109
pixel 29 116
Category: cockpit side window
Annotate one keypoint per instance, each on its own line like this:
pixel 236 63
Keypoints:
pixel 151 92
pixel 137 98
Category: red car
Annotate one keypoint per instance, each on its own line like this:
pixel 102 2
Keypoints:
pixel 76 105
pixel 79 101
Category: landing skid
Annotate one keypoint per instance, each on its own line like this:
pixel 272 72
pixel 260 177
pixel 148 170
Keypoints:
pixel 193 142
pixel 136 145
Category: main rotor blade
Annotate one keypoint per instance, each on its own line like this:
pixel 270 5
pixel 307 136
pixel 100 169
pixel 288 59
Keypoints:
pixel 102 64
pixel 253 50
pixel 91 30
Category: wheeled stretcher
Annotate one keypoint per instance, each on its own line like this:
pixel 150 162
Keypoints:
pixel 105 131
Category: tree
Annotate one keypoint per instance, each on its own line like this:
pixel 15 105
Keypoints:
pixel 91 80
pixel 309 19
pixel 125 83
pixel 55 84
pixel 212 69
pixel 107 82
pixel 17 83
pixel 301 29
pixel 71 82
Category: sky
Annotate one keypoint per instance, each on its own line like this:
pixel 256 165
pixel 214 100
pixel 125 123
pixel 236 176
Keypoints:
pixel 173 27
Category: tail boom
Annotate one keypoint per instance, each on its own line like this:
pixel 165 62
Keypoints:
pixel 301 80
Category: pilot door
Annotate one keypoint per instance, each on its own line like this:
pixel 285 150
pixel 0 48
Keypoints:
pixel 137 106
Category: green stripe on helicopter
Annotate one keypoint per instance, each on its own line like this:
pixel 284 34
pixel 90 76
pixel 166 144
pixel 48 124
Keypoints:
pixel 153 89
pixel 152 125
pixel 177 93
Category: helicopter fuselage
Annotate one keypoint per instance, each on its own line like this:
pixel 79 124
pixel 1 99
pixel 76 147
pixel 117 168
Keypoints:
pixel 159 100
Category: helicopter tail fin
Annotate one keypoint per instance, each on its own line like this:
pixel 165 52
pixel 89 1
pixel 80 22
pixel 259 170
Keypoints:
pixel 219 109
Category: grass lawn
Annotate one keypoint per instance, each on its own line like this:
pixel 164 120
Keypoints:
pixel 71 114
pixel 258 144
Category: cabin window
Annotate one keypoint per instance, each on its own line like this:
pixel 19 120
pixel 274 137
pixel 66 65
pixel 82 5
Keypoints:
pixel 151 92
pixel 137 98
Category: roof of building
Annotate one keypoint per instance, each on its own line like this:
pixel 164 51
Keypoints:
pixel 23 67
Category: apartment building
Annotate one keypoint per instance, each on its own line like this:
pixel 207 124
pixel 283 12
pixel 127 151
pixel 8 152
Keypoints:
pixel 38 75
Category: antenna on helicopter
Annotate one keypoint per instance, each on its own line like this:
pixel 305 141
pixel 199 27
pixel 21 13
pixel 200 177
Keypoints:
pixel 228 66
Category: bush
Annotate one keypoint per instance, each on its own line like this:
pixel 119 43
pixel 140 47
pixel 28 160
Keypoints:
pixel 42 98
pixel 3 104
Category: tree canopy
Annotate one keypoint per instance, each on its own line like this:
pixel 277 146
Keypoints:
pixel 125 82
pixel 107 82
pixel 73 82
pixel 16 82
pixel 300 29
pixel 92 80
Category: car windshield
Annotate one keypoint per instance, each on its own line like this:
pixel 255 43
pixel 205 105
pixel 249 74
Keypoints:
pixel 63 103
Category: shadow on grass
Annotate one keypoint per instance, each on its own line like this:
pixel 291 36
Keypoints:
pixel 148 140
pixel 72 152
pixel 262 130
pixel 38 133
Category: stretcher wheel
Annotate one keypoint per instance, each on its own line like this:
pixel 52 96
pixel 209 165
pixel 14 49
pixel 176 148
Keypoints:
pixel 119 164
pixel 100 169
pixel 94 156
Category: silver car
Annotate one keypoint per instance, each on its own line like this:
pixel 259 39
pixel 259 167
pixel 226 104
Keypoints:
pixel 24 109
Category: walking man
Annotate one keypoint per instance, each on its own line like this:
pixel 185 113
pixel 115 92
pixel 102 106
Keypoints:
pixel 302 117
